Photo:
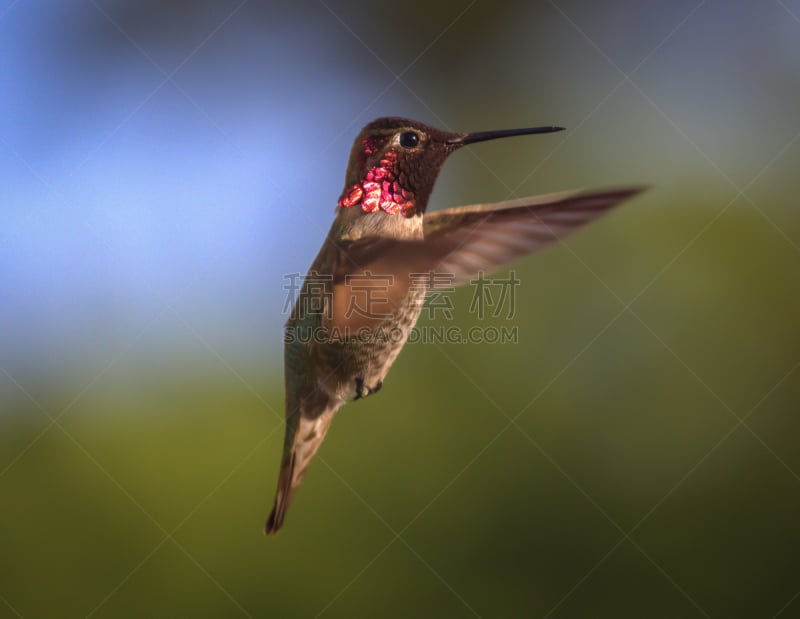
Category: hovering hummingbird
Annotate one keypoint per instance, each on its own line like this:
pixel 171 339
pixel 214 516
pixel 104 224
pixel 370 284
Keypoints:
pixel 365 289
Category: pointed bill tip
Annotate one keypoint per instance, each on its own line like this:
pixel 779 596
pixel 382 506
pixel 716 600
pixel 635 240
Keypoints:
pixel 482 136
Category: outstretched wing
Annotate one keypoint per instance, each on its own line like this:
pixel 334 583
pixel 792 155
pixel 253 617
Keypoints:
pixel 463 242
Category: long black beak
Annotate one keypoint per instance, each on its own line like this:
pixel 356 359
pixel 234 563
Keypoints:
pixel 482 136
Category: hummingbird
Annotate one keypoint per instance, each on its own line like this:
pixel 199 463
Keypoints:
pixel 365 289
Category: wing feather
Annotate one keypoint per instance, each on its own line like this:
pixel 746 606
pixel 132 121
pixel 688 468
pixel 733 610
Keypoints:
pixel 465 241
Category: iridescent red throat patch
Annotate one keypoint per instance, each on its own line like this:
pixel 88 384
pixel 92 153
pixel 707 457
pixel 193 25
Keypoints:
pixel 379 188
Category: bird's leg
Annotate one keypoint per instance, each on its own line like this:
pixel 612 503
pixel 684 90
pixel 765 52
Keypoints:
pixel 362 391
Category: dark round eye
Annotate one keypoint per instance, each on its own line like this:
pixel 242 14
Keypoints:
pixel 409 139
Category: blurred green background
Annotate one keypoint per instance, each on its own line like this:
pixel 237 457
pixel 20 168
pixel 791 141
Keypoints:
pixel 163 165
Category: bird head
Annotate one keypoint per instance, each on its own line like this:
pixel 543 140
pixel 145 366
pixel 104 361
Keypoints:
pixel 394 163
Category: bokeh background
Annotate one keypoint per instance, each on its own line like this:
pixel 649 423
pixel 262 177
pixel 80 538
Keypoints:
pixel 163 165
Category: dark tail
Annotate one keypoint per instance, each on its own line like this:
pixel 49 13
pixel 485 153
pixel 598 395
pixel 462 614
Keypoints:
pixel 282 497
pixel 304 434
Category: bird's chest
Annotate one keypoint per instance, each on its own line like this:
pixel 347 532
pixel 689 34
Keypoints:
pixel 370 351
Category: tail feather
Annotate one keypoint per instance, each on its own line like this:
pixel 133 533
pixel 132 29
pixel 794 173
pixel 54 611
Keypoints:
pixel 282 497
pixel 304 435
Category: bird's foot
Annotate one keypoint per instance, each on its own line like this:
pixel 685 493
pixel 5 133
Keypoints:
pixel 362 391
